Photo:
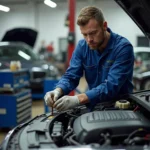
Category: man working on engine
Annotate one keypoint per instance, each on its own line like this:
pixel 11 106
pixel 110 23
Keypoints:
pixel 106 59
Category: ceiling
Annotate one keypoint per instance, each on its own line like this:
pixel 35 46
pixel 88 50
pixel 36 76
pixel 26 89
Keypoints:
pixel 23 1
pixel 9 2
pixel 16 1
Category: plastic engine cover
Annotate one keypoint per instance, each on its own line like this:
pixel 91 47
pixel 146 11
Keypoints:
pixel 88 127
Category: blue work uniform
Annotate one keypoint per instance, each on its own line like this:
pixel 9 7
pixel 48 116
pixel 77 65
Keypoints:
pixel 108 74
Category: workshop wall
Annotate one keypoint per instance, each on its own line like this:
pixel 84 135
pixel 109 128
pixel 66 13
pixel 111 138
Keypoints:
pixel 50 21
pixel 117 20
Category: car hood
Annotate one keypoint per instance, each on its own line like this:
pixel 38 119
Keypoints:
pixel 25 35
pixel 30 64
pixel 139 11
pixel 37 65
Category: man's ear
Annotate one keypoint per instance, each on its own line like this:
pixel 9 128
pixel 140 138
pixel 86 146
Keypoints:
pixel 105 26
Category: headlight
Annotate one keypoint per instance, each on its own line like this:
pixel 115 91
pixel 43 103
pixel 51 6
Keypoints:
pixel 45 66
pixel 53 71
pixel 51 67
pixel 36 69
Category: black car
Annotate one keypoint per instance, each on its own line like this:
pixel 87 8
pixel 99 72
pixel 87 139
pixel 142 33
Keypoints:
pixel 124 124
pixel 23 51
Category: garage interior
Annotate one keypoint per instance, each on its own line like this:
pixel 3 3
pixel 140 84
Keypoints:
pixel 51 26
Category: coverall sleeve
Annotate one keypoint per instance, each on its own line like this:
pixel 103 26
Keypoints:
pixel 117 76
pixel 70 79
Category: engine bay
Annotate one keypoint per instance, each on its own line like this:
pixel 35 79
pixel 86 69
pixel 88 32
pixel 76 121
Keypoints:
pixel 90 127
pixel 107 126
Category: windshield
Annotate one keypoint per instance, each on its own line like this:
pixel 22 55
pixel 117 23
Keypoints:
pixel 17 53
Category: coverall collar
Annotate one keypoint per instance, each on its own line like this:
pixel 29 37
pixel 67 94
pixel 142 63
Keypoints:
pixel 110 43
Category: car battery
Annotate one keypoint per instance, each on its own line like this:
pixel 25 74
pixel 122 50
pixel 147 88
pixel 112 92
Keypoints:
pixel 13 80
pixel 15 108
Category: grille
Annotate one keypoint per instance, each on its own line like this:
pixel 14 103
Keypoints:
pixel 35 75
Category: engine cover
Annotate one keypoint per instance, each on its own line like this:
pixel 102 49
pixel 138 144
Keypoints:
pixel 88 127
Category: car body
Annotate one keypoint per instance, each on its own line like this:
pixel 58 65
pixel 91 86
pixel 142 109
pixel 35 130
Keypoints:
pixel 106 128
pixel 141 76
pixel 38 69
pixel 124 124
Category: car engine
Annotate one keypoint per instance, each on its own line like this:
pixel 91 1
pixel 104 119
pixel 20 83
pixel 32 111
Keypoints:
pixel 92 126
pixel 106 127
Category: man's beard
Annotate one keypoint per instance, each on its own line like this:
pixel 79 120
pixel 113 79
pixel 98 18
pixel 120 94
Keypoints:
pixel 100 43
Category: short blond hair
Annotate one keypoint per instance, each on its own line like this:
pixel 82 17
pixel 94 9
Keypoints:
pixel 90 12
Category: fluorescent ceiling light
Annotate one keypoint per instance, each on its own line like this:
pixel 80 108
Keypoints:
pixel 50 3
pixel 24 55
pixel 4 8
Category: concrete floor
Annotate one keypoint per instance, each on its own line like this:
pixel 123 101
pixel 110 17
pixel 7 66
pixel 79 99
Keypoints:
pixel 38 107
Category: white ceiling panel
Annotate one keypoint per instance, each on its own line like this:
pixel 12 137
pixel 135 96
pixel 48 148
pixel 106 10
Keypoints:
pixel 36 1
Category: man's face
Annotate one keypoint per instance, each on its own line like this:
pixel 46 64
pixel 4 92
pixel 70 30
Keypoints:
pixel 93 33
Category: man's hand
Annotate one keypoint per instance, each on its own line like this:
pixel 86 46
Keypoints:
pixel 51 97
pixel 66 102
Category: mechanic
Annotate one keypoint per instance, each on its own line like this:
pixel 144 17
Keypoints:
pixel 104 57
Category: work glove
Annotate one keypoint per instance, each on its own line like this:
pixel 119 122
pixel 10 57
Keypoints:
pixel 66 102
pixel 51 97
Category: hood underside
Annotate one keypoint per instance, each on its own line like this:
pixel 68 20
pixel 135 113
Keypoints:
pixel 139 11
pixel 25 35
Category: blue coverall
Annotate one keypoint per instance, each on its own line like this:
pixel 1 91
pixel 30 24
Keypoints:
pixel 108 74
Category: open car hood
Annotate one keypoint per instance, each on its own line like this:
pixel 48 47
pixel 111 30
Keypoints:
pixel 139 11
pixel 25 35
